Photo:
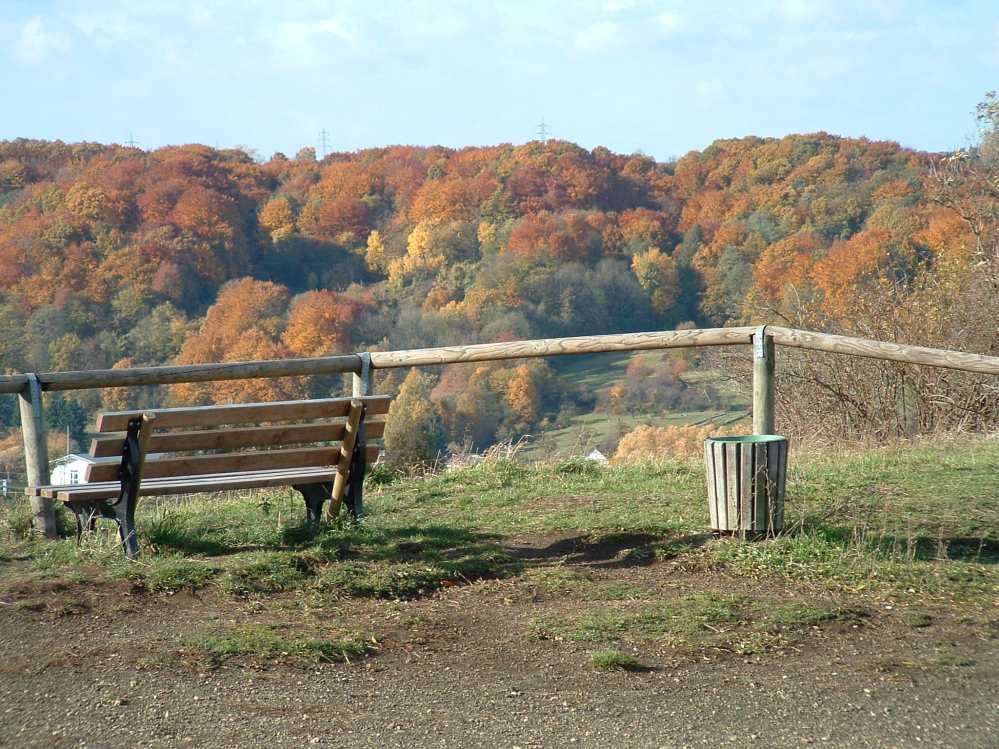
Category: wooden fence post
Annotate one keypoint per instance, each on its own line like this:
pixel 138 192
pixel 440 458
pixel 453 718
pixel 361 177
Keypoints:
pixel 363 379
pixel 363 384
pixel 36 454
pixel 763 382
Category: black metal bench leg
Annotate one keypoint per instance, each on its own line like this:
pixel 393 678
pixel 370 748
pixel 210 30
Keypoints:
pixel 315 496
pixel 353 497
pixel 86 518
pixel 123 513
pixel 122 510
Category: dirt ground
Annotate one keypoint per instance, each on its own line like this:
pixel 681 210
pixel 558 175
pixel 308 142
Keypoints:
pixel 103 666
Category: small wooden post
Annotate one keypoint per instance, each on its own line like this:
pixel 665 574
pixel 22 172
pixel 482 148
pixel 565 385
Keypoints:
pixel 763 382
pixel 352 431
pixel 36 454
pixel 363 384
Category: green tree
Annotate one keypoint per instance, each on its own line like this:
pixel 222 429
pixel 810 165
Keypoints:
pixel 414 434
pixel 64 413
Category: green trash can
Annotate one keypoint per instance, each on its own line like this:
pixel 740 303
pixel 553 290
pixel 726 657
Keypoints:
pixel 746 477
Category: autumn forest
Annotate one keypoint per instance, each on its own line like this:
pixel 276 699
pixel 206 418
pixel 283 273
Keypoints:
pixel 114 256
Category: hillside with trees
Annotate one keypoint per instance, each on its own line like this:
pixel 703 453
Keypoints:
pixel 113 257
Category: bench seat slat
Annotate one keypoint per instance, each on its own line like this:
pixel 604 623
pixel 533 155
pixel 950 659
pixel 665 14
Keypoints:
pixel 105 447
pixel 195 486
pixel 201 483
pixel 103 487
pixel 242 413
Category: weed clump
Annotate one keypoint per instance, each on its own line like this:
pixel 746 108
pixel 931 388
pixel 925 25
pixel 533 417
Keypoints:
pixel 697 621
pixel 265 643
pixel 577 467
pixel 265 572
pixel 614 660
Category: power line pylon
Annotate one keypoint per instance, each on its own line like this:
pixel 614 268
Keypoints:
pixel 543 130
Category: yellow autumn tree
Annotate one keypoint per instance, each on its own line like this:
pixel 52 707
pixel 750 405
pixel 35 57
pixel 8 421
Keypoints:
pixel 431 245
pixel 522 394
pixel 657 274
pixel 278 217
pixel 374 252
pixel 86 201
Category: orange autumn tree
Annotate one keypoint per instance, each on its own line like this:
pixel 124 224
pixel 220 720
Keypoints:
pixel 848 264
pixel 119 399
pixel 319 324
pixel 533 240
pixel 245 323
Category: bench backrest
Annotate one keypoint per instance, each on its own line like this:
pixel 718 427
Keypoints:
pixel 180 437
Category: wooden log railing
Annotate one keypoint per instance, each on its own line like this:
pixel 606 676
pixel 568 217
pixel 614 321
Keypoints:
pixel 171 375
pixel 765 339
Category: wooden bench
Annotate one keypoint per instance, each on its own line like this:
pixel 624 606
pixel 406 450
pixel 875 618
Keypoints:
pixel 203 449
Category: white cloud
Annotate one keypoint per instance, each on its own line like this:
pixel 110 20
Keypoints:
pixel 35 43
pixel 670 22
pixel 303 43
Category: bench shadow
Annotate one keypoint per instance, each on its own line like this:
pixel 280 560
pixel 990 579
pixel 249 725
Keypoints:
pixel 610 551
pixel 342 542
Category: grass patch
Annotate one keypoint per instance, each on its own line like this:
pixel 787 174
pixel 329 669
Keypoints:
pixel 556 580
pixel 697 621
pixel 614 660
pixel 30 604
pixel 917 619
pixel 178 573
pixel 854 563
pixel 408 579
pixel 264 572
pixel 562 581
pixel 251 548
pixel 265 643
pixel 910 666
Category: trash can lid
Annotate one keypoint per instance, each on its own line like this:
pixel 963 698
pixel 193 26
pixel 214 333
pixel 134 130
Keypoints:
pixel 748 438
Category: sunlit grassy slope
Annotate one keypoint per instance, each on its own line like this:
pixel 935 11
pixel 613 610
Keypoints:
pixel 597 373
pixel 921 517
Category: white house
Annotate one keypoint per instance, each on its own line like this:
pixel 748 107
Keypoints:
pixel 598 457
pixel 70 469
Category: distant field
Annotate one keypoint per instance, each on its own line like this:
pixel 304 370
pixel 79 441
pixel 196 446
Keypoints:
pixel 597 373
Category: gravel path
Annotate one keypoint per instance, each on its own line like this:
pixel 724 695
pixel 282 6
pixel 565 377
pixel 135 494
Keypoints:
pixel 100 677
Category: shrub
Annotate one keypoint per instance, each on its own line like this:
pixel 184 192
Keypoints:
pixel 648 442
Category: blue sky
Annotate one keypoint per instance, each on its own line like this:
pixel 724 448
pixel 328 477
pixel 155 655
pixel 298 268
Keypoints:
pixel 632 75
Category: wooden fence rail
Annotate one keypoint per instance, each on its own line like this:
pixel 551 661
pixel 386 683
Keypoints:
pixel 764 339
pixel 870 349
pixel 248 370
